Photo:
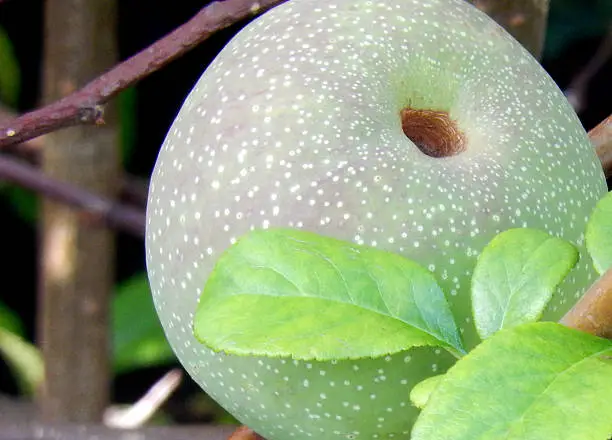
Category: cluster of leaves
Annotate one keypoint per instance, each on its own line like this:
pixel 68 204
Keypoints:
pixel 527 380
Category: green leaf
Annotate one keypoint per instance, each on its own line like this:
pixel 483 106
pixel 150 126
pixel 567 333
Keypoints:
pixel 599 234
pixel 24 360
pixel 533 382
pixel 10 321
pixel 138 338
pixel 127 100
pixel 419 395
pixel 10 80
pixel 282 292
pixel 571 21
pixel 23 202
pixel 515 277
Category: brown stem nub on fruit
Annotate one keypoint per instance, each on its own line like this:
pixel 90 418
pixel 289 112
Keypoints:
pixel 593 313
pixel 433 132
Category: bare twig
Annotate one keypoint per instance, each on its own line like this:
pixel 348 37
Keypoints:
pixel 593 313
pixel 576 92
pixel 133 190
pixel 93 207
pixel 140 412
pixel 601 137
pixel 86 105
pixel 29 150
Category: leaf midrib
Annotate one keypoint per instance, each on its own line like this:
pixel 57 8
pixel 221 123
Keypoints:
pixel 443 343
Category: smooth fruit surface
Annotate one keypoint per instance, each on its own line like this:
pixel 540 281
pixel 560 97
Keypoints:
pixel 297 124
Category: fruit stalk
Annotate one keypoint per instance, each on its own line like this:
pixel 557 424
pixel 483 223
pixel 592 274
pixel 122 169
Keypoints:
pixel 593 313
pixel 601 138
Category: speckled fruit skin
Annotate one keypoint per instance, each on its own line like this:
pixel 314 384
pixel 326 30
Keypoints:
pixel 296 123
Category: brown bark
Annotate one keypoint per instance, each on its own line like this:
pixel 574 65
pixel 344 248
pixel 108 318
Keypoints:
pixel 77 261
pixel 524 19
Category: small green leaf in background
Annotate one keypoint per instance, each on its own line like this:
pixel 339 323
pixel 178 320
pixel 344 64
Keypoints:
pixel 138 338
pixel 24 360
pixel 515 277
pixel 419 395
pixel 127 103
pixel 532 382
pixel 24 202
pixel 282 292
pixel 599 234
pixel 10 79
pixel 22 357
pixel 10 321
pixel 572 21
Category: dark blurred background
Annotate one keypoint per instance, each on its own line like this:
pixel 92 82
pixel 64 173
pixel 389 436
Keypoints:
pixel 576 30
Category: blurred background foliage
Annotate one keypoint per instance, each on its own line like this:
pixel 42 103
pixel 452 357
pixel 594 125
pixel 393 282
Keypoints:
pixel 140 353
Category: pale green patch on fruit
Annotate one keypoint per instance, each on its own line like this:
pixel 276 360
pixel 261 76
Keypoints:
pixel 283 292
pixel 533 382
pixel 599 234
pixel 420 394
pixel 515 278
pixel 411 87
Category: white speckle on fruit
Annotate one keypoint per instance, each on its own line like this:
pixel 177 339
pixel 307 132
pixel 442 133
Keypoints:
pixel 296 124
